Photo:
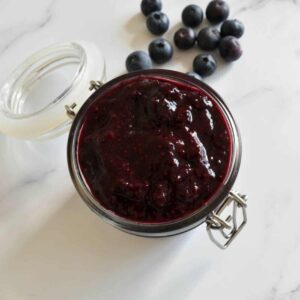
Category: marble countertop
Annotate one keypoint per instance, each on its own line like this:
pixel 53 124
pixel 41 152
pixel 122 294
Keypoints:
pixel 53 247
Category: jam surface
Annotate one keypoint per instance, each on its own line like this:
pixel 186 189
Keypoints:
pixel 152 149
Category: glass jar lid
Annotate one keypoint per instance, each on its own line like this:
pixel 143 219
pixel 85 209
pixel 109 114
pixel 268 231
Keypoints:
pixel 33 98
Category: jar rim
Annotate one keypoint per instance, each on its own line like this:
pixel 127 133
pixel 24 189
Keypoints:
pixel 49 117
pixel 163 228
pixel 32 70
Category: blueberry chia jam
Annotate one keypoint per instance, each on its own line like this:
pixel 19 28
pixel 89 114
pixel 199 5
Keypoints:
pixel 153 149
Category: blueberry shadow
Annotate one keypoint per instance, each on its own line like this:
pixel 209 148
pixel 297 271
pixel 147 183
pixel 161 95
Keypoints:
pixel 223 68
pixel 137 34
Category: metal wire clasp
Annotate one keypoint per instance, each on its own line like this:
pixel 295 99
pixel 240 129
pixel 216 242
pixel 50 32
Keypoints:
pixel 228 224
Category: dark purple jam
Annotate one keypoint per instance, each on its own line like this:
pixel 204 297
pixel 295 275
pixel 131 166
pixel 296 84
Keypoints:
pixel 152 149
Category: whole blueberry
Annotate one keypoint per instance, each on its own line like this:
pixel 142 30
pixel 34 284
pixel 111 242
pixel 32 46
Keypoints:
pixel 185 38
pixel 149 6
pixel 204 64
pixel 138 60
pixel 208 38
pixel 194 75
pixel 192 15
pixel 232 27
pixel 217 11
pixel 158 23
pixel 230 48
pixel 160 51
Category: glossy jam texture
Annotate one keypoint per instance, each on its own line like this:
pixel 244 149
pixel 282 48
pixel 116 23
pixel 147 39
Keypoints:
pixel 153 150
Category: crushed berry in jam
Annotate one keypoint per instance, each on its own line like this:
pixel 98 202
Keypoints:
pixel 153 149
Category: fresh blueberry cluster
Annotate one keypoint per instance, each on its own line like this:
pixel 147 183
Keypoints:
pixel 225 38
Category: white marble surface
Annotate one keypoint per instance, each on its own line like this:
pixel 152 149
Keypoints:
pixel 53 247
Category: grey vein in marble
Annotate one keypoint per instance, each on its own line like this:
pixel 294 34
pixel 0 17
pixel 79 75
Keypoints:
pixel 258 4
pixel 39 25
pixel 24 183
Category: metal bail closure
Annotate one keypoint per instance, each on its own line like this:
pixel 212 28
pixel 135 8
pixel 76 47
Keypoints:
pixel 228 224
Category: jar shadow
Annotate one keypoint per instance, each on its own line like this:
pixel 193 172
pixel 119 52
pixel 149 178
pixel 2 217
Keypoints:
pixel 79 249
pixel 28 161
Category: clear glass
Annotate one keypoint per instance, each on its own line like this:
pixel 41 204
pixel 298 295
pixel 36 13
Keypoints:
pixel 32 100
pixel 43 80
pixel 167 228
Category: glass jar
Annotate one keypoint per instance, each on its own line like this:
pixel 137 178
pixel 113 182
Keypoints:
pixel 23 117
pixel 33 98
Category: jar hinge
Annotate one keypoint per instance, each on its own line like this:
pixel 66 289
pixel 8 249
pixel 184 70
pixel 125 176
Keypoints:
pixel 227 224
pixel 94 85
pixel 70 110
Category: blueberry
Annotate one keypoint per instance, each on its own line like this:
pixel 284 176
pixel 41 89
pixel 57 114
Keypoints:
pixel 160 51
pixel 230 48
pixel 185 38
pixel 192 15
pixel 138 60
pixel 194 75
pixel 208 38
pixel 232 27
pixel 204 64
pixel 158 23
pixel 149 6
pixel 217 11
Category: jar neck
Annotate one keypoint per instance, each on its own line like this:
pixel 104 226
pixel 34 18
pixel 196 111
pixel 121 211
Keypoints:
pixel 166 228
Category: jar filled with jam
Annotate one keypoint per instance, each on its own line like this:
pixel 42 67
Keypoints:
pixel 154 153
